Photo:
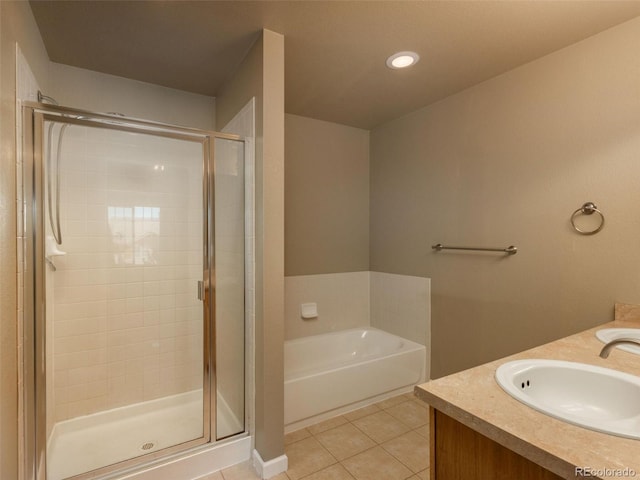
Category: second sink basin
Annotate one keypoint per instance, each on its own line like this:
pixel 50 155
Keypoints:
pixel 605 335
pixel 597 398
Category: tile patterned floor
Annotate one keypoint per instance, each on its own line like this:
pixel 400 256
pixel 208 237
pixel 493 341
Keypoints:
pixel 387 441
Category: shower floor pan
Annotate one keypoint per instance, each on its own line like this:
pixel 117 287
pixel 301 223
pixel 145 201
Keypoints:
pixel 94 441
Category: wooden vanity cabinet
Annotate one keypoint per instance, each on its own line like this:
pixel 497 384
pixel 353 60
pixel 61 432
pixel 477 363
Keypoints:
pixel 460 453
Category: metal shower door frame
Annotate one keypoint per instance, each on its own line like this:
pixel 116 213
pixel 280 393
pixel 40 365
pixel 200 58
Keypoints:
pixel 34 341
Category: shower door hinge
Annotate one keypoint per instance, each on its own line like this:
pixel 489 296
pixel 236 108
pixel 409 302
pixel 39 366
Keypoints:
pixel 200 290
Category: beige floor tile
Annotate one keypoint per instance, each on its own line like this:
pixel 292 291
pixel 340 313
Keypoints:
pixel 334 472
pixel 410 396
pixel 327 424
pixel 296 436
pixel 423 475
pixel 423 430
pixel 381 426
pixel 376 464
pixel 410 413
pixel 390 402
pixel 242 471
pixel 361 412
pixel 280 476
pixel 212 476
pixel 411 449
pixel 306 457
pixel 345 441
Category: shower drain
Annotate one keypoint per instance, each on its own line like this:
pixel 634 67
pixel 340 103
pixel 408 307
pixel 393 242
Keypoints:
pixel 147 446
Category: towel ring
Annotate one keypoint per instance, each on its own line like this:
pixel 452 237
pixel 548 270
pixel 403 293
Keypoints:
pixel 587 209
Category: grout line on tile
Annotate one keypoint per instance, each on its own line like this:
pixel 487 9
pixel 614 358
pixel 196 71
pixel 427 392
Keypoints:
pixel 408 467
pixel 344 421
pixel 365 433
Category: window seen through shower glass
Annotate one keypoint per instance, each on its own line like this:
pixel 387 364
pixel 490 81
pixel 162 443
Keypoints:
pixel 135 230
pixel 124 325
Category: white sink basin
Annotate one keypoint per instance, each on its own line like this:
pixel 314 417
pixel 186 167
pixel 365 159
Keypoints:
pixel 597 398
pixel 607 334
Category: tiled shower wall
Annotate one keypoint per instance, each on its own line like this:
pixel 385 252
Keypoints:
pixel 235 300
pixel 230 281
pixel 127 321
pixel 342 301
pixel 401 304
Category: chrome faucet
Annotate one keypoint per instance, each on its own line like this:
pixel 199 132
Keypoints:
pixel 604 353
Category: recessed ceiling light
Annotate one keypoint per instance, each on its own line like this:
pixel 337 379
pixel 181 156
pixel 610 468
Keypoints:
pixel 402 60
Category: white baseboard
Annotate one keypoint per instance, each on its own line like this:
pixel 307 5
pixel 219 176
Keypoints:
pixel 270 468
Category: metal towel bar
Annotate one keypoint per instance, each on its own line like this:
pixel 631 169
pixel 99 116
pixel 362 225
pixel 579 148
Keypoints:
pixel 510 250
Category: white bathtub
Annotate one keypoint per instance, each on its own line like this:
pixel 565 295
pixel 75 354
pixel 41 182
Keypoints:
pixel 336 372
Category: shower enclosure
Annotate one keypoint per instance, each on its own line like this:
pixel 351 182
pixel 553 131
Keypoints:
pixel 135 315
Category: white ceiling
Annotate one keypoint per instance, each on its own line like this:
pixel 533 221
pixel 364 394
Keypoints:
pixel 335 51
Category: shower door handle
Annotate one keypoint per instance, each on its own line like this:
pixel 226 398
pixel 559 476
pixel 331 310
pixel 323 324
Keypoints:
pixel 200 290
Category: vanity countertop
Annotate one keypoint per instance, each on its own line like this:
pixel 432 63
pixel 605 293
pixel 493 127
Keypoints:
pixel 473 398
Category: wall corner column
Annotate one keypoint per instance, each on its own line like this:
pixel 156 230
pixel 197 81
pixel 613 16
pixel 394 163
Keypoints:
pixel 269 331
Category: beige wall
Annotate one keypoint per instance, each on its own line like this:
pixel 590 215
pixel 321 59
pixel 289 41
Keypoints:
pixel 326 197
pixel 99 92
pixel 16 25
pixel 261 75
pixel 507 162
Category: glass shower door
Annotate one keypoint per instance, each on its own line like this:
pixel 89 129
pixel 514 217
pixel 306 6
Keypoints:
pixel 230 258
pixel 126 334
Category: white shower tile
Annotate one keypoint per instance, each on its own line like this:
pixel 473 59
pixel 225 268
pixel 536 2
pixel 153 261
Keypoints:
pixel 342 299
pixel 80 343
pixel 400 304
pixel 167 302
pixel 116 307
